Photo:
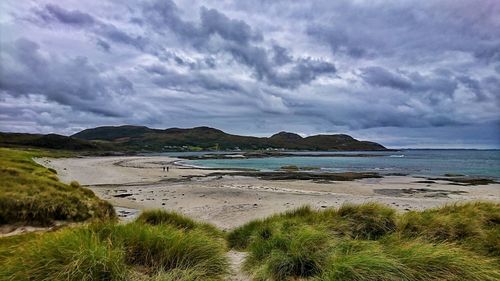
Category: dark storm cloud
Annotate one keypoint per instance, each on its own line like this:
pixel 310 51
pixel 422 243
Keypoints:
pixel 254 67
pixel 74 81
pixel 238 40
pixel 52 13
pixel 169 79
pixel 68 17
pixel 379 76
pixel 415 82
pixel 214 22
pixel 410 30
pixel 103 45
pixel 281 55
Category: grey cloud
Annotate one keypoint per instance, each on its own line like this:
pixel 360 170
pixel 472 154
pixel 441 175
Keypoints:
pixel 379 76
pixel 166 78
pixel 164 14
pixel 260 67
pixel 433 83
pixel 303 72
pixel 439 82
pixel 281 55
pixel 239 38
pixel 74 82
pixel 408 30
pixel 341 42
pixel 103 45
pixel 212 21
pixel 473 85
pixel 116 35
pixel 54 13
pixel 69 17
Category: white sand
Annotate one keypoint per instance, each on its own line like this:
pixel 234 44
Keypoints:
pixel 231 201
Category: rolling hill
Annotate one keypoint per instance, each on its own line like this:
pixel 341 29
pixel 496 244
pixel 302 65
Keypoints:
pixel 144 138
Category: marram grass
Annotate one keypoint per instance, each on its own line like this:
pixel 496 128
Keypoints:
pixel 173 219
pixel 355 242
pixel 372 242
pixel 32 194
pixel 109 251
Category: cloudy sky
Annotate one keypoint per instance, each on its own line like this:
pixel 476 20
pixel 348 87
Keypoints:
pixel 406 73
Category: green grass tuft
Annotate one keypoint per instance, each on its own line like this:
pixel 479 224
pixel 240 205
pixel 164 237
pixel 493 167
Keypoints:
pixel 176 220
pixel 368 221
pixel 299 253
pixel 32 194
pixel 109 251
pixel 473 225
pixel 72 254
pixel 372 242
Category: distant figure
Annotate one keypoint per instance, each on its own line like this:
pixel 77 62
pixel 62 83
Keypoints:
pixel 167 168
pixel 164 168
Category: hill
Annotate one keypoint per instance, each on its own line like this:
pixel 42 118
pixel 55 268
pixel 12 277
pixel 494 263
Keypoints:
pixel 144 138
pixel 51 141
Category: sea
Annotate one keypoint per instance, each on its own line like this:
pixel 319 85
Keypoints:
pixel 416 162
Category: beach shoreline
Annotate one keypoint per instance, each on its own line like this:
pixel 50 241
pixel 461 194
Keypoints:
pixel 135 183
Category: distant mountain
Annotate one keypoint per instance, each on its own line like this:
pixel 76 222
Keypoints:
pixel 144 138
pixel 51 141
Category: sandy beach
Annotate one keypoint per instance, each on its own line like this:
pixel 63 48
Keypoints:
pixel 137 183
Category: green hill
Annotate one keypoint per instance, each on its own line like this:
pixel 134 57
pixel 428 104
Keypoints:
pixel 51 141
pixel 144 138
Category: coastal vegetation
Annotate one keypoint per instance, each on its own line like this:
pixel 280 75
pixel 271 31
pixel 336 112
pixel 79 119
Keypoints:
pixel 111 251
pixel 370 241
pixel 32 194
pixel 354 242
pixel 373 242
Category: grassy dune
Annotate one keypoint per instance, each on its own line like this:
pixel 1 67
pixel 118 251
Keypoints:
pixel 32 194
pixel 354 242
pixel 110 251
pixel 373 242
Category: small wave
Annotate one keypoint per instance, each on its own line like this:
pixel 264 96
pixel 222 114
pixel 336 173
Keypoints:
pixel 397 156
pixel 184 164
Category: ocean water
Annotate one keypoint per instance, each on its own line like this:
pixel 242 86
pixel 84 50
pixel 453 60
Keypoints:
pixel 485 163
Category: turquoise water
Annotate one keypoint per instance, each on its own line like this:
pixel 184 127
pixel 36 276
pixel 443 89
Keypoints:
pixel 414 162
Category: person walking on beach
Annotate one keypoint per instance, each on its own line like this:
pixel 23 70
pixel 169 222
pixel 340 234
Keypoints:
pixel 167 169
pixel 164 168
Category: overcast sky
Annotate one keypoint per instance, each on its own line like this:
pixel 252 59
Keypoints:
pixel 402 73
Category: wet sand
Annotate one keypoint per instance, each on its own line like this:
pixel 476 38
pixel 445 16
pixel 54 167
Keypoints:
pixel 137 183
